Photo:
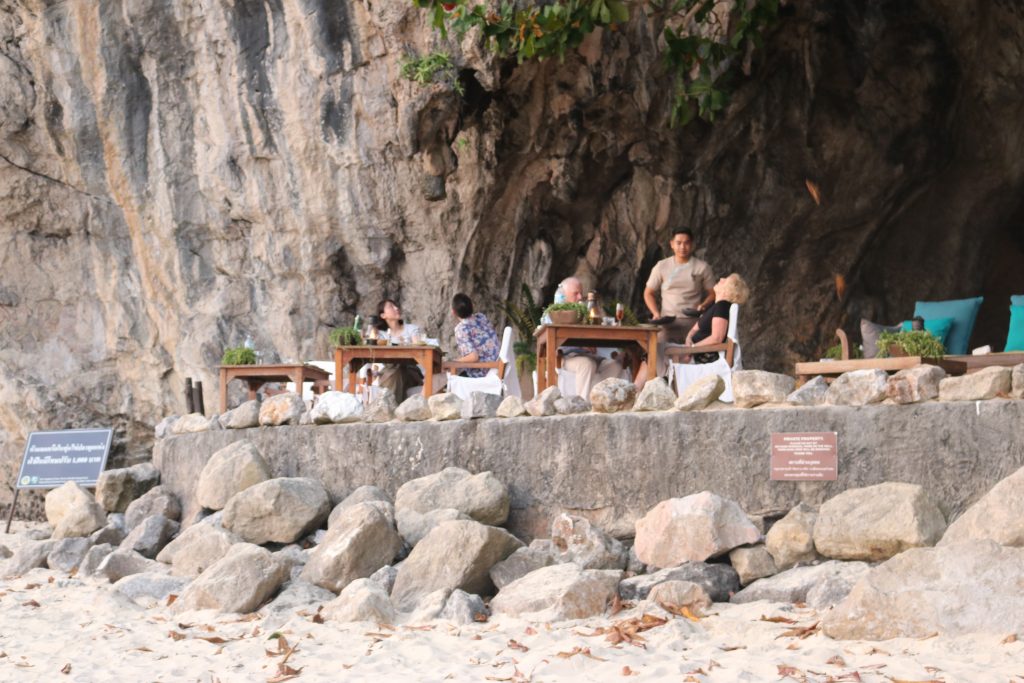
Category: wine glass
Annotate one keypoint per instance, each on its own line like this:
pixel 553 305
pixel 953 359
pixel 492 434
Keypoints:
pixel 620 313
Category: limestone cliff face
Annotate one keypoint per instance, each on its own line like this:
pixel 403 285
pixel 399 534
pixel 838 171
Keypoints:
pixel 175 174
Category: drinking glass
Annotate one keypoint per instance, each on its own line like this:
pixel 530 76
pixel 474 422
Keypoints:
pixel 620 313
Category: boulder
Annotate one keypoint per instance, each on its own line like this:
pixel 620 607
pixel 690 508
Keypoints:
pixel 998 516
pixel 233 468
pixel 633 565
pixel 790 541
pixel 857 388
pixel 519 564
pixel 93 558
pixel 464 608
pixel 680 594
pixel 336 407
pixel 429 607
pixel 693 528
pixel 958 589
pixel 1017 381
pixel 190 424
pixel 702 393
pixel 413 526
pixel 361 600
pixel 978 386
pixel 294 558
pixel 363 494
pixel 752 563
pixel 281 409
pixel 876 522
pixel 150 537
pixel 753 387
pixel 31 555
pixel 197 548
pixel 413 409
pixel 511 406
pixel 811 393
pixel 914 385
pixel 296 596
pixel 240 581
pixel 575 539
pixel 456 554
pixel 445 406
pixel 719 581
pixel 385 576
pixel 558 592
pixel 245 416
pixel 163 427
pixel 150 589
pixel 280 510
pixel 543 404
pixel 382 408
pixel 115 489
pixel 830 580
pixel 68 553
pixel 122 563
pixel 572 405
pixel 156 501
pixel 72 511
pixel 655 396
pixel 612 395
pixel 481 404
pixel 480 496
pixel 361 541
pixel 111 533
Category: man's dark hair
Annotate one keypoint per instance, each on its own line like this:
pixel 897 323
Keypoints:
pixel 462 305
pixel 683 231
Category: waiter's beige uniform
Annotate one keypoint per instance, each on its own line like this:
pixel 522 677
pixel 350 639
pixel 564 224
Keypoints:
pixel 682 286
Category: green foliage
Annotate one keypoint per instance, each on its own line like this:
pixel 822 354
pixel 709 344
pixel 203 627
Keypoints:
pixel 703 48
pixel 345 336
pixel 836 352
pixel 436 67
pixel 523 316
pixel 577 306
pixel 238 356
pixel 913 342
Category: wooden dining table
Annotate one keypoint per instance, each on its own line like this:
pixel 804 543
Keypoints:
pixel 551 337
pixel 256 376
pixel 354 357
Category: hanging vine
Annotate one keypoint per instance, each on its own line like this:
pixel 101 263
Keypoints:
pixel 706 42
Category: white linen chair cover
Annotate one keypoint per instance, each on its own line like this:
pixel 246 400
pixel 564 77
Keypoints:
pixel 490 383
pixel 686 374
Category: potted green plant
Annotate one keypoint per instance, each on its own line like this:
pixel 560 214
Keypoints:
pixel 345 336
pixel 836 352
pixel 910 343
pixel 524 317
pixel 238 355
pixel 566 313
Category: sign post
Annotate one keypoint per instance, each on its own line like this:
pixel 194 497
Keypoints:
pixel 53 458
pixel 805 456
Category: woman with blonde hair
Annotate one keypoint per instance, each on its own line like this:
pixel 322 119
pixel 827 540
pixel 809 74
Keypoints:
pixel 713 324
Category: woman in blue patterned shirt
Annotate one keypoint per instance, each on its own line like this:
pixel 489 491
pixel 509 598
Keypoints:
pixel 475 337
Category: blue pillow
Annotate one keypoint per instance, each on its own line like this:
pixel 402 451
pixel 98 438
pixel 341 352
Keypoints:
pixel 940 327
pixel 962 311
pixel 1017 299
pixel 1015 339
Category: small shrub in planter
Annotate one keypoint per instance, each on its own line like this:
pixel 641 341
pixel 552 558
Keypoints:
pixel 345 336
pixel 911 343
pixel 567 312
pixel 238 356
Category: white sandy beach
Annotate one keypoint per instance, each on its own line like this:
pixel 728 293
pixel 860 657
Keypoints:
pixel 54 627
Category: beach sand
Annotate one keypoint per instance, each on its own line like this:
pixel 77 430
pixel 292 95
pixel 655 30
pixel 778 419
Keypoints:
pixel 59 628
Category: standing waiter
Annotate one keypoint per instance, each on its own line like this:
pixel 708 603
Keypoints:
pixel 685 284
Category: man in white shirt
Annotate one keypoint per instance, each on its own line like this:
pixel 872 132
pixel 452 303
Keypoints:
pixel 584 363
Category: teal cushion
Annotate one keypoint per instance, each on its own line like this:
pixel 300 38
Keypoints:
pixel 1015 339
pixel 940 327
pixel 962 311
pixel 1017 299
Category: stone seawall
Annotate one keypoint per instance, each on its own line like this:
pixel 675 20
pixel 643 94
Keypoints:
pixel 613 468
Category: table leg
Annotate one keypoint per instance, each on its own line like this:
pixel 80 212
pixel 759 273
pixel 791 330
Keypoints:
pixel 427 362
pixel 254 385
pixel 551 358
pixel 224 390
pixel 353 374
pixel 299 379
pixel 652 353
pixel 542 364
pixel 339 367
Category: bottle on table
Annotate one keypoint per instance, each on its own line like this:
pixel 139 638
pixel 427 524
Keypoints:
pixel 560 294
pixel 593 314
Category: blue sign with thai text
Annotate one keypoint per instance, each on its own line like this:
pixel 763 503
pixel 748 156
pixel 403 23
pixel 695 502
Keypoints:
pixel 52 458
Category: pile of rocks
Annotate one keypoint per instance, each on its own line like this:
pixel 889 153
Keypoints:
pixel 879 561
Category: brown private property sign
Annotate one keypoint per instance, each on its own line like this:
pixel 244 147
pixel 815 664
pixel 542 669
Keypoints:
pixel 805 456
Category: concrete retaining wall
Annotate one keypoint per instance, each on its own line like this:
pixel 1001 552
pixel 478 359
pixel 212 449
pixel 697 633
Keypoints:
pixel 613 468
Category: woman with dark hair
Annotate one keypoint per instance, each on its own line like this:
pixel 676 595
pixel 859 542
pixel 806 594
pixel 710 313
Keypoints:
pixel 398 378
pixel 475 337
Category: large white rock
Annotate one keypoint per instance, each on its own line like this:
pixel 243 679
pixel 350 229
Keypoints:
pixel 481 405
pixel 197 548
pixel 149 589
pixel 790 541
pixel 819 586
pixel 233 468
pixel 752 562
pixel 190 424
pixel 240 581
pixel 295 596
pixel 150 536
pixel 413 409
pixel 29 556
pixel 382 408
pixel 360 541
pixel 445 406
pixel 811 393
pixel 572 405
pixel 337 407
pixel 978 386
pixel 751 388
pixel 73 512
pixel 857 388
pixel 965 588
pixel 480 496
pixel 286 408
pixel 575 539
pixel 914 385
pixel 361 600
pixel 693 528
pixel 68 554
pixel 511 406
pixel 121 563
pixel 543 404
pixel 280 510
pixel 612 395
pixel 519 564
pixel 655 396
pixel 156 501
pixel 558 592
pixel 998 516
pixel 680 594
pixel 115 489
pixel 363 494
pixel 245 416
pixel 456 554
pixel 876 522
pixel 701 393
pixel 413 526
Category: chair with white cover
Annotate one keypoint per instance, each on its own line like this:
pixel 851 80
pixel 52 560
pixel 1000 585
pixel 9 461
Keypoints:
pixel 501 377
pixel 729 359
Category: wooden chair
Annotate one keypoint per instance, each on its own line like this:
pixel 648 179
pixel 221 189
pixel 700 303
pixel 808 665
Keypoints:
pixel 729 359
pixel 502 378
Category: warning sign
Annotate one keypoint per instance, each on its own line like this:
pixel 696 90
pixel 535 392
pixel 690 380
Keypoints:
pixel 805 456
pixel 52 458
